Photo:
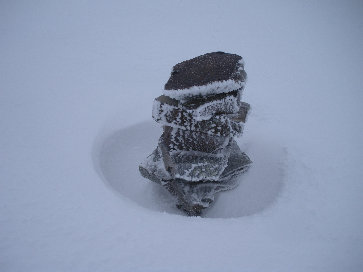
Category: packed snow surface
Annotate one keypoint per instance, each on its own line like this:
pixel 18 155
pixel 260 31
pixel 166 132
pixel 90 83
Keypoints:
pixel 77 83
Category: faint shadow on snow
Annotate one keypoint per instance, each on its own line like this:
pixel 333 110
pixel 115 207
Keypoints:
pixel 117 157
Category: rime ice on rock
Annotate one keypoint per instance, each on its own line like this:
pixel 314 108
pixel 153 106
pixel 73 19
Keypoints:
pixel 201 113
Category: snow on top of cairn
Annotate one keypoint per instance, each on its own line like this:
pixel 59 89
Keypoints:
pixel 211 73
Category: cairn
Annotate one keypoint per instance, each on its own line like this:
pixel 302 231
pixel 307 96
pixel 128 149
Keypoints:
pixel 201 113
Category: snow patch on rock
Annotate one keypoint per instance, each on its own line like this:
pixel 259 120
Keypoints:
pixel 217 87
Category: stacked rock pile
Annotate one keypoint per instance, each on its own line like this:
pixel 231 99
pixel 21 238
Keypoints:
pixel 201 113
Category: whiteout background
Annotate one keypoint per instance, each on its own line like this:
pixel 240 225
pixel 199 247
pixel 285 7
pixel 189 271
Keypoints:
pixel 75 74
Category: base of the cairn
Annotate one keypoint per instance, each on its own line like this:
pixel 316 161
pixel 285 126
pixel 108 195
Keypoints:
pixel 194 197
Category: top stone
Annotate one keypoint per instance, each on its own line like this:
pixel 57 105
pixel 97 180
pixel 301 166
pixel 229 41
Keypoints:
pixel 207 69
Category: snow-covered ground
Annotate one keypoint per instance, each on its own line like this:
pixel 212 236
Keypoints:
pixel 77 82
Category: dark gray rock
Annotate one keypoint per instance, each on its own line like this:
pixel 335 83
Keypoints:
pixel 205 69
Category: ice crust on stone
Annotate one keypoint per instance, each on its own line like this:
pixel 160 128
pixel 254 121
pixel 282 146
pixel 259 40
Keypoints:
pixel 153 166
pixel 211 88
pixel 228 104
pixel 177 139
pixel 237 161
pixel 195 196
pixel 195 166
pixel 199 166
pixel 220 125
